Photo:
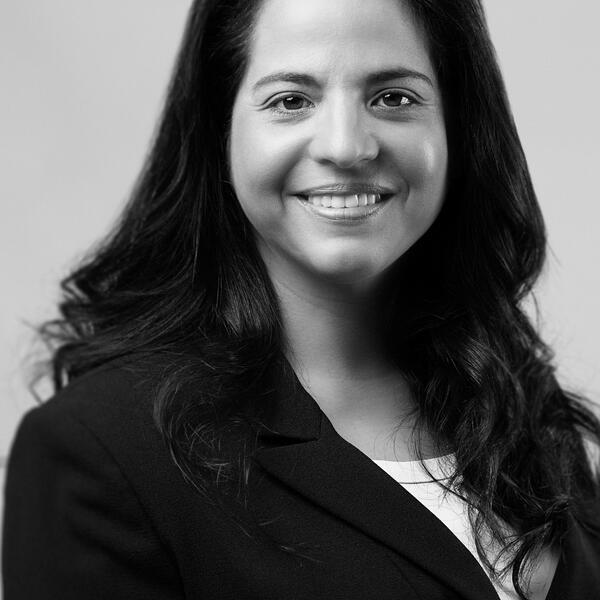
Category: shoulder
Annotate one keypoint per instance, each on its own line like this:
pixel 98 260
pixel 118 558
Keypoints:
pixel 82 425
pixel 102 420
pixel 96 441
pixel 114 391
pixel 85 481
pixel 99 419
pixel 106 402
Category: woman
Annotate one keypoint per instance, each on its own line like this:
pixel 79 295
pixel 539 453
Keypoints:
pixel 299 367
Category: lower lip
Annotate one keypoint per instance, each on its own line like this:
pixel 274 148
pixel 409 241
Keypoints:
pixel 356 214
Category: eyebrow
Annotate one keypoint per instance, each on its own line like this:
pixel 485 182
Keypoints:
pixel 400 73
pixel 310 81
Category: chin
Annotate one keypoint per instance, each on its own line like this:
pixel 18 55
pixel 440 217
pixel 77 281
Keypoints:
pixel 348 269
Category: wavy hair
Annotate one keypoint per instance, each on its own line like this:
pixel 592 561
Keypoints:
pixel 180 278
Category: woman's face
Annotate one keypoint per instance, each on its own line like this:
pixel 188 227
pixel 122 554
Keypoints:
pixel 338 147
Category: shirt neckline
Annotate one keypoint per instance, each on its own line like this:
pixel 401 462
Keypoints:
pixel 415 471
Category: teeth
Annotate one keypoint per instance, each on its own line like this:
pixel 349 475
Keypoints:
pixel 345 201
pixel 338 201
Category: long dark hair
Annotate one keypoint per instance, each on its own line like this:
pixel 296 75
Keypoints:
pixel 180 278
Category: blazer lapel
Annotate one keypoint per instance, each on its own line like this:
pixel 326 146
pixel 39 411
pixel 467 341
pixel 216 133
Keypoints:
pixel 303 450
pixel 577 576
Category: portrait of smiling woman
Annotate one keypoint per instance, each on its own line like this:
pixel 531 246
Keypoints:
pixel 300 366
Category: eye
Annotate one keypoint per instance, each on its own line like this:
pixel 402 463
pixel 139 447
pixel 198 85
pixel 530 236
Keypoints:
pixel 290 103
pixel 393 99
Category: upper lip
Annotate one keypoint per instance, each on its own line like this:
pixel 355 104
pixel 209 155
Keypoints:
pixel 346 189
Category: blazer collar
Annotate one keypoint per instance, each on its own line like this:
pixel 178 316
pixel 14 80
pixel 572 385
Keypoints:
pixel 289 413
pixel 301 448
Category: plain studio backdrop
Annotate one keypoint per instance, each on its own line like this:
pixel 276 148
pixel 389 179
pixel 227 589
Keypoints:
pixel 82 85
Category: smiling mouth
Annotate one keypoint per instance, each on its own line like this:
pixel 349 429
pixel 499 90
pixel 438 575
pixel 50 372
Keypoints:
pixel 344 207
pixel 344 200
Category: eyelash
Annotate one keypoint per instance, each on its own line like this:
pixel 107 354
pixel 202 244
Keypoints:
pixel 411 101
pixel 273 105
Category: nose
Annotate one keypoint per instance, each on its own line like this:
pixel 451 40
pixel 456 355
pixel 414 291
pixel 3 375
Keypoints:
pixel 342 136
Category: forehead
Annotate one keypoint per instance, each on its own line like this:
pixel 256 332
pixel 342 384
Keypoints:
pixel 352 36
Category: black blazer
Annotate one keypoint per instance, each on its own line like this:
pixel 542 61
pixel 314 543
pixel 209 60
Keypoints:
pixel 96 509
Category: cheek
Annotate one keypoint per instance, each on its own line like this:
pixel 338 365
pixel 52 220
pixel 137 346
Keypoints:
pixel 421 157
pixel 260 160
pixel 434 159
pixel 424 162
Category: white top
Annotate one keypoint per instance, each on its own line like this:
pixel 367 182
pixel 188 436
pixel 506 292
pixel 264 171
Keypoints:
pixel 453 513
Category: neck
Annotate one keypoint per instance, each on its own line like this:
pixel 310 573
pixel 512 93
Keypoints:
pixel 331 328
pixel 336 349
